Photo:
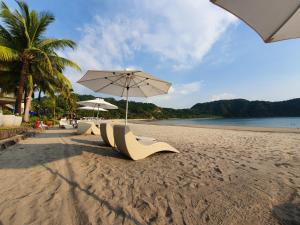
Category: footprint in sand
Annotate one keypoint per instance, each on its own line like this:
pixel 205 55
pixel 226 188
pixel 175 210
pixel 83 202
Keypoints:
pixel 217 169
pixel 169 214
pixel 286 165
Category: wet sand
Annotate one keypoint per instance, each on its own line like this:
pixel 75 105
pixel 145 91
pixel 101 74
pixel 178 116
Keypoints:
pixel 220 177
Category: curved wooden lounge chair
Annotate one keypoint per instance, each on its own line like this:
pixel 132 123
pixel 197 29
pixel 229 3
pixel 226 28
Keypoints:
pixel 128 144
pixel 107 134
pixel 87 127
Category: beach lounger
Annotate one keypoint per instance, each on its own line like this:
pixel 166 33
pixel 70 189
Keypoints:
pixel 63 123
pixel 107 134
pixel 87 127
pixel 127 143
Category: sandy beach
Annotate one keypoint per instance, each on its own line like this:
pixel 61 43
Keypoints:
pixel 220 177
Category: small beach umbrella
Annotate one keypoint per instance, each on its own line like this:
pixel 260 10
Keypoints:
pixel 97 104
pixel 273 20
pixel 125 83
pixel 92 108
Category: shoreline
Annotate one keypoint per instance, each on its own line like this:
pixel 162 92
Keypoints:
pixel 223 127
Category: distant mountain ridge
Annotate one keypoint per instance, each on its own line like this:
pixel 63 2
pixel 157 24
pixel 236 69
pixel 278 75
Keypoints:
pixel 222 108
pixel 245 108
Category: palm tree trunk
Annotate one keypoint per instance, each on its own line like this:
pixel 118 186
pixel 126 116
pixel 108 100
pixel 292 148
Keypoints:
pixel 28 105
pixel 40 93
pixel 21 87
pixel 28 99
pixel 54 110
pixel 25 94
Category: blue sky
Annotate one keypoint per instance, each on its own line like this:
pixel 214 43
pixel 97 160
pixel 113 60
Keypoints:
pixel 206 53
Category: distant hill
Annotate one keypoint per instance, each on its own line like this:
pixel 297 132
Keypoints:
pixel 223 108
pixel 138 110
pixel 245 108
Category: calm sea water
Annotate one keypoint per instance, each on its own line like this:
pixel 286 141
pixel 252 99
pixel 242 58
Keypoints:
pixel 280 122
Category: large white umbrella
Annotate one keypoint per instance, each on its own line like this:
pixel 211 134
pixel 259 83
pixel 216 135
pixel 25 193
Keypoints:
pixel 273 20
pixel 125 83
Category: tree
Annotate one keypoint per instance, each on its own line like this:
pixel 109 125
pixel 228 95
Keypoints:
pixel 22 41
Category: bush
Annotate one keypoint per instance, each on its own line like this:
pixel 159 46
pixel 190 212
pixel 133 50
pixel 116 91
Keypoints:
pixel 33 119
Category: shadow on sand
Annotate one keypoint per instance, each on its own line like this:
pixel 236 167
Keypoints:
pixel 89 142
pixel 30 155
pixel 74 185
pixel 287 213
pixel 56 132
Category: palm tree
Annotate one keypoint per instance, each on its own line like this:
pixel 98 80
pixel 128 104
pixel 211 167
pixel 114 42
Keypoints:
pixel 22 41
pixel 51 82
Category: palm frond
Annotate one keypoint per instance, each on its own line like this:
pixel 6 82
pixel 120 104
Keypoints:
pixel 41 55
pixel 55 44
pixel 45 18
pixel 7 54
pixel 63 62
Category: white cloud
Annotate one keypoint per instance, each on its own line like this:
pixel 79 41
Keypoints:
pixel 222 96
pixel 105 44
pixel 180 96
pixel 185 31
pixel 176 33
pixel 180 32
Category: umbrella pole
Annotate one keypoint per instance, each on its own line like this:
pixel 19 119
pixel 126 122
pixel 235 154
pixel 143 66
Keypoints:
pixel 94 111
pixel 126 107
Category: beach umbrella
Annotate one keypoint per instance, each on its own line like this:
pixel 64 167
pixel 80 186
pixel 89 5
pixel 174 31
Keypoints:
pixel 273 20
pixel 92 108
pixel 97 104
pixel 125 83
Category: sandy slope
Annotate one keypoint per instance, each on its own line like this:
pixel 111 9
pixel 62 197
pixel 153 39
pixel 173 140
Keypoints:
pixel 220 177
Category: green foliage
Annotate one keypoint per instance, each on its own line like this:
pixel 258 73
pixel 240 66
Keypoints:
pixel 139 110
pixel 6 111
pixel 29 60
pixel 136 110
pixel 245 108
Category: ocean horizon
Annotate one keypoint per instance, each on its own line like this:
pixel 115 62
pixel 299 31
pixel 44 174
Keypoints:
pixel 268 122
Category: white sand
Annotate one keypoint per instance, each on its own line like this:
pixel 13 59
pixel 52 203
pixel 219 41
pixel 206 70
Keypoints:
pixel 220 177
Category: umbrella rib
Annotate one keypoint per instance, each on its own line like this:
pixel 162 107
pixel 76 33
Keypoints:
pixel 269 39
pixel 98 78
pixel 158 89
pixel 142 91
pixel 149 84
pixel 136 84
pixel 152 79
pixel 117 84
pixel 124 87
pixel 154 86
pixel 112 83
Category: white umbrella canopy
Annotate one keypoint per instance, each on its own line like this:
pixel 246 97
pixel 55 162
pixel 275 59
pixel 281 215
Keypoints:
pixel 139 83
pixel 98 103
pixel 125 83
pixel 92 108
pixel 273 20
